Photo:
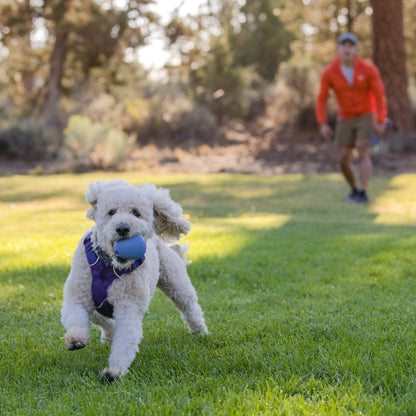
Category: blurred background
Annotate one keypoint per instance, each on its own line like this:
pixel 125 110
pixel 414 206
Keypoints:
pixel 197 85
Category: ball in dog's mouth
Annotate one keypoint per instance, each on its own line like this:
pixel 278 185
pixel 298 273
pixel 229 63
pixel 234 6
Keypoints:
pixel 130 248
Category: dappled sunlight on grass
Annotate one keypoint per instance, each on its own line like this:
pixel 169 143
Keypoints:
pixel 260 221
pixel 34 250
pixel 397 205
pixel 257 221
pixel 42 220
pixel 49 203
pixel 257 192
pixel 225 236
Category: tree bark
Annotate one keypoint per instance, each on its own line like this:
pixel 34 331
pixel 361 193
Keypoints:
pixel 49 109
pixel 390 57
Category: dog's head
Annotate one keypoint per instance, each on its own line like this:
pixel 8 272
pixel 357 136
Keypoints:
pixel 122 210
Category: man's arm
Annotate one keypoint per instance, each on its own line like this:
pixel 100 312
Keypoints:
pixel 320 108
pixel 326 131
pixel 377 88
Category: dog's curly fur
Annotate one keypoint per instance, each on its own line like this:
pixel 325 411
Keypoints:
pixel 148 211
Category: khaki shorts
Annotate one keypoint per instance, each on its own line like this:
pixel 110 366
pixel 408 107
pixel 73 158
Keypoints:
pixel 348 131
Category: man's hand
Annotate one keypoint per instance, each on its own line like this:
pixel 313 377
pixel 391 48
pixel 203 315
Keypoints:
pixel 379 128
pixel 326 131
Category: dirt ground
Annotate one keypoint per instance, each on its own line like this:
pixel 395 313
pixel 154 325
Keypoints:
pixel 243 152
pixel 258 158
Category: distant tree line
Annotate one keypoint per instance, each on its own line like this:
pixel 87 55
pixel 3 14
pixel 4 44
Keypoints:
pixel 66 58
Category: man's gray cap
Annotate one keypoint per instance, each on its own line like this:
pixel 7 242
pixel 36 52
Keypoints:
pixel 347 36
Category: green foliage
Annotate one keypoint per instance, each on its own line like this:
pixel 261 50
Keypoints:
pixel 261 40
pixel 317 25
pixel 63 57
pixel 26 140
pixel 97 144
pixel 168 116
pixel 296 90
pixel 159 115
pixel 198 125
pixel 246 46
pixel 219 83
pixel 79 37
pixel 310 302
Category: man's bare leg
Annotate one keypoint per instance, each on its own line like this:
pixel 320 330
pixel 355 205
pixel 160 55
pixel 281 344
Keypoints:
pixel 345 154
pixel 365 165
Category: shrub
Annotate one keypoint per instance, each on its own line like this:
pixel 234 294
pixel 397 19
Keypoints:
pixel 199 126
pixel 158 117
pixel 296 89
pixel 27 140
pixel 97 144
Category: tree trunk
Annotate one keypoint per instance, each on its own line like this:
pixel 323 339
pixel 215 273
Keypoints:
pixel 350 17
pixel 50 105
pixel 49 109
pixel 49 112
pixel 390 57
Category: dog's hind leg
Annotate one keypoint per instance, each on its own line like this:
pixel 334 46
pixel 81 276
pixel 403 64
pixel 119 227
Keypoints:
pixel 176 284
pixel 106 326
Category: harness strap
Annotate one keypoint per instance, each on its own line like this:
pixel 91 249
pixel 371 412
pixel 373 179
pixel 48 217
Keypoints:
pixel 103 275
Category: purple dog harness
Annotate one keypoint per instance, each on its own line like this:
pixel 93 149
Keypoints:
pixel 103 275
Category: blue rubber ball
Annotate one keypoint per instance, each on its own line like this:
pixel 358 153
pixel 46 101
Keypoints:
pixel 131 248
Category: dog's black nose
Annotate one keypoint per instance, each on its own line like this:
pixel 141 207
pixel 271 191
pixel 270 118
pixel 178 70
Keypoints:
pixel 122 229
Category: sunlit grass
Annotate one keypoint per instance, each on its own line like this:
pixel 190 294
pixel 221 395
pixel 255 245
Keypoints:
pixel 397 204
pixel 310 301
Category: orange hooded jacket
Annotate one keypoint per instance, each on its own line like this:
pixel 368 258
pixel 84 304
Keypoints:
pixel 366 94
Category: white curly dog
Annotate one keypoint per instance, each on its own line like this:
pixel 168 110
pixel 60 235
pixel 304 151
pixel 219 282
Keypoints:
pixel 114 293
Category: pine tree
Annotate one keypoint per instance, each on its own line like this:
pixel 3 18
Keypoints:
pixel 81 35
pixel 390 57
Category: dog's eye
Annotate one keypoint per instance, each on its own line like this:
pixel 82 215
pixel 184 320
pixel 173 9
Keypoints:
pixel 111 212
pixel 136 213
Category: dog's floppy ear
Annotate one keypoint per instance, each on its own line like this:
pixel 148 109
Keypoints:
pixel 169 221
pixel 91 196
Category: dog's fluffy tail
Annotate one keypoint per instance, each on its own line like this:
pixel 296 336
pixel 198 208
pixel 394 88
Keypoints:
pixel 181 249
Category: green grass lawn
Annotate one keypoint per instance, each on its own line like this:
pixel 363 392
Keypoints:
pixel 310 301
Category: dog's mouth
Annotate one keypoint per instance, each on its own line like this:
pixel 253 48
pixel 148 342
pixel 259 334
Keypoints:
pixel 121 260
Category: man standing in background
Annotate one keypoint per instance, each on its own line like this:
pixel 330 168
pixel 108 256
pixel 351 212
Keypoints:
pixel 362 110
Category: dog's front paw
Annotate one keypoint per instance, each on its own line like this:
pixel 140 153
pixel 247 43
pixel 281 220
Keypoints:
pixel 72 346
pixel 109 376
pixel 75 342
pixel 198 328
pixel 200 332
pixel 75 345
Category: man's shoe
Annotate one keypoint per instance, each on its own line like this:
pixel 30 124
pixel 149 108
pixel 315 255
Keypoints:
pixel 361 197
pixel 353 196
